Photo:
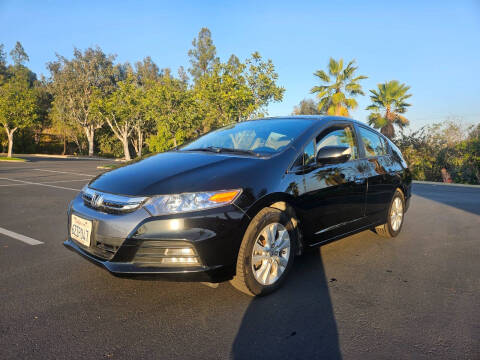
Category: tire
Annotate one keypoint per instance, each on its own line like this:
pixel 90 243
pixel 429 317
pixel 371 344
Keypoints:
pixel 394 223
pixel 256 277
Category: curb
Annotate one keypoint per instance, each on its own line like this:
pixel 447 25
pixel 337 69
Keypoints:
pixel 14 161
pixel 445 184
pixel 65 157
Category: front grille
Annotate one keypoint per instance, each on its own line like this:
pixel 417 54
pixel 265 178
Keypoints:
pixel 111 203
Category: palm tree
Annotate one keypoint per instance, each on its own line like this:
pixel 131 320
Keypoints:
pixel 332 96
pixel 389 98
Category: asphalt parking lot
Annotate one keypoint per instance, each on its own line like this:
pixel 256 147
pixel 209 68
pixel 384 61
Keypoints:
pixel 364 297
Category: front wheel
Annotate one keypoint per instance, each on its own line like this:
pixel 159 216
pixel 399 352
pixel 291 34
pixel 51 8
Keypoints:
pixel 396 212
pixel 266 253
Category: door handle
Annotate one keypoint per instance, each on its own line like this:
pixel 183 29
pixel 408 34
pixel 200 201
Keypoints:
pixel 359 180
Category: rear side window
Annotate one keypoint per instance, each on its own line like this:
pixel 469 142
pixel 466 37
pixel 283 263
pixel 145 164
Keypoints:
pixel 397 153
pixel 373 144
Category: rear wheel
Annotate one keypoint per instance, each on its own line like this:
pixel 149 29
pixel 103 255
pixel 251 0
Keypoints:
pixel 396 212
pixel 266 253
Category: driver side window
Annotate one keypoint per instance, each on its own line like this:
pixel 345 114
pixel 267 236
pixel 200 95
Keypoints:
pixel 338 136
pixel 334 136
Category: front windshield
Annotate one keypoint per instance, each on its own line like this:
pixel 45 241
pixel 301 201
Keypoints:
pixel 261 137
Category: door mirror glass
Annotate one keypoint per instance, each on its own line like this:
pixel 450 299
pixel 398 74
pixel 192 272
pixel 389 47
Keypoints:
pixel 333 154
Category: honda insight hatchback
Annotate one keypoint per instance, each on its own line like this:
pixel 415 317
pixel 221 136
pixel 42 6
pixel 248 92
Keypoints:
pixel 240 202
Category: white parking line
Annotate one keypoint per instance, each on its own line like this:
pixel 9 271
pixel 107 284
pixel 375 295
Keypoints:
pixel 25 239
pixel 59 181
pixel 40 184
pixel 64 172
pixel 15 185
pixel 49 182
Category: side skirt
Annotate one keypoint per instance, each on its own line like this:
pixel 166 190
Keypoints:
pixel 341 236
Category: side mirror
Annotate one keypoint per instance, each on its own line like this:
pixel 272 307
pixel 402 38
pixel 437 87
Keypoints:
pixel 333 155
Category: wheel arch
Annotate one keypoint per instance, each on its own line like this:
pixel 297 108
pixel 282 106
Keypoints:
pixel 283 202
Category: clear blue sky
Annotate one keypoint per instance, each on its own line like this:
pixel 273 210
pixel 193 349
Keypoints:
pixel 433 46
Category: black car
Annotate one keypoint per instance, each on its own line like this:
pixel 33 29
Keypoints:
pixel 240 202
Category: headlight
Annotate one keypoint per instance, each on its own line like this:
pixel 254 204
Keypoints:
pixel 178 203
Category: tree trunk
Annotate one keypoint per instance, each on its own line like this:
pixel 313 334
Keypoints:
pixel 10 140
pixel 126 150
pixel 337 110
pixel 388 130
pixel 90 132
pixel 10 145
pixel 140 143
pixel 64 143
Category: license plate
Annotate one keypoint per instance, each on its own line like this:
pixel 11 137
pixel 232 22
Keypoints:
pixel 81 230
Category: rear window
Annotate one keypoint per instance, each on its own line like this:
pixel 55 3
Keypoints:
pixel 373 144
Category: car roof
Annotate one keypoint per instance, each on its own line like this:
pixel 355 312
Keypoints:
pixel 313 118
pixel 322 118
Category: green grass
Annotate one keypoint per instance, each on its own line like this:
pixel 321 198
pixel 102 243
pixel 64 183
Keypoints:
pixel 4 158
pixel 109 166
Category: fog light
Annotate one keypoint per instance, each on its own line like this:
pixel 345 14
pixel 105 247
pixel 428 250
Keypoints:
pixel 176 224
pixel 179 260
pixel 180 251
pixel 167 253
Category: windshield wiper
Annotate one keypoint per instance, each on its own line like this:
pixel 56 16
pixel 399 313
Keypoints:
pixel 217 150
pixel 208 149
pixel 239 151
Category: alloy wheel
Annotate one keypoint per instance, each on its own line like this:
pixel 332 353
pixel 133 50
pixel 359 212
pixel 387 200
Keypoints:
pixel 270 253
pixel 396 214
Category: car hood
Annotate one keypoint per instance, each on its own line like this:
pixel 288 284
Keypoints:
pixel 177 172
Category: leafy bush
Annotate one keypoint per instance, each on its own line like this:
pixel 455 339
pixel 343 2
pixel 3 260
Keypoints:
pixel 443 146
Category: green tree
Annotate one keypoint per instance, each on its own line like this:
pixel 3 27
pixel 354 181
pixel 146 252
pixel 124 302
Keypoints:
pixel 340 82
pixel 67 129
pixel 171 105
pixel 202 55
pixel 44 103
pixel 3 63
pixel 146 71
pixel 76 82
pixel 121 110
pixel 18 104
pixel 262 80
pixel 18 54
pixel 236 91
pixel 223 96
pixel 306 107
pixel 388 105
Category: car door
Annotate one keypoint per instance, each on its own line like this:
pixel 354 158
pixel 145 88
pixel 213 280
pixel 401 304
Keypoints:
pixel 379 172
pixel 334 195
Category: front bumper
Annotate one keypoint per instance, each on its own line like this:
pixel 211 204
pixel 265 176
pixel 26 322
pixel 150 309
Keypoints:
pixel 216 273
pixel 127 245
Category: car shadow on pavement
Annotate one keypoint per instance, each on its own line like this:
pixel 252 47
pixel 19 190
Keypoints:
pixel 463 198
pixel 295 322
